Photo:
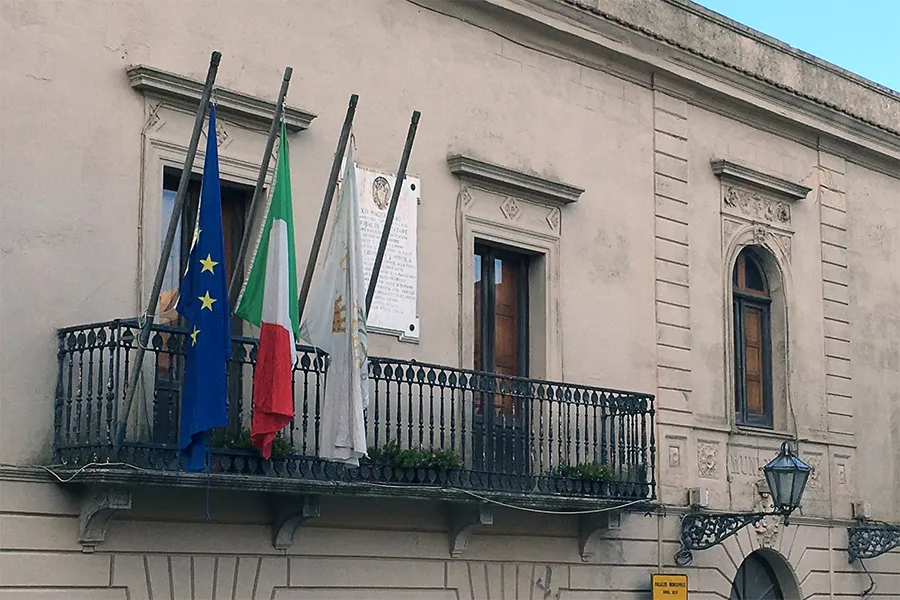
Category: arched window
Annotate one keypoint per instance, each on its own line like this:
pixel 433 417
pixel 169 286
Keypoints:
pixel 753 342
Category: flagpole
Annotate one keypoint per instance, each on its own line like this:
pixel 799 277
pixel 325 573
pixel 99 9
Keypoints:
pixel 234 287
pixel 174 219
pixel 326 204
pixel 389 220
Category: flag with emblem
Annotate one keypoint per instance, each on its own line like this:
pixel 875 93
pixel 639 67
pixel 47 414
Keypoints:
pixel 335 321
pixel 203 302
pixel 269 300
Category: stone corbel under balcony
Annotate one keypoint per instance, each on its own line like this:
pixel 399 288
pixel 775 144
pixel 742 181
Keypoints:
pixel 463 520
pixel 290 513
pixel 733 172
pixel 184 92
pixel 591 530
pixel 98 506
pixel 505 180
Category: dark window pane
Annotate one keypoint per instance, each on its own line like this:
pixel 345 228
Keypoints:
pixel 754 278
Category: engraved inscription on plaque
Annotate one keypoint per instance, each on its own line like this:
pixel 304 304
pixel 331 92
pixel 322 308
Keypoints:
pixel 394 307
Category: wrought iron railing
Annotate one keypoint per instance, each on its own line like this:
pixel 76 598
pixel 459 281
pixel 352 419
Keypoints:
pixel 426 424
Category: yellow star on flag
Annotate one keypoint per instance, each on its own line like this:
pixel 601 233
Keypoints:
pixel 207 301
pixel 194 336
pixel 208 264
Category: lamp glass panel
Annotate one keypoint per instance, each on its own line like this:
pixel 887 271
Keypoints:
pixel 784 482
pixel 800 478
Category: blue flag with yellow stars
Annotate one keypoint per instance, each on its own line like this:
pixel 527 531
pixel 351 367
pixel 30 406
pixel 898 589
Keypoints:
pixel 203 302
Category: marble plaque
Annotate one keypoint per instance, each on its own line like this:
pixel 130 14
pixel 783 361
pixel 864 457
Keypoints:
pixel 394 307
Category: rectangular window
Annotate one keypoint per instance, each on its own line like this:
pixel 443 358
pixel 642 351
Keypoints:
pixel 753 394
pixel 235 203
pixel 501 347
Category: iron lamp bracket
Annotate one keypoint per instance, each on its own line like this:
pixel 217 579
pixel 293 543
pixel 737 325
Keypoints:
pixel 700 531
pixel 870 539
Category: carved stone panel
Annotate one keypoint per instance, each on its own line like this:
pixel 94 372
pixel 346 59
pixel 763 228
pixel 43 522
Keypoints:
pixel 511 212
pixel 756 207
pixel 708 460
pixel 767 528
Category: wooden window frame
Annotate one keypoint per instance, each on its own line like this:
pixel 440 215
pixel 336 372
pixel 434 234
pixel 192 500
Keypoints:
pixel 489 252
pixel 743 299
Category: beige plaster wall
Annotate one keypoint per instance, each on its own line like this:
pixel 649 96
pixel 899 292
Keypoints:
pixel 70 235
pixel 358 548
pixel 479 94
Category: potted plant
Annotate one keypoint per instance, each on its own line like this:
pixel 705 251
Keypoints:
pixel 240 442
pixel 593 477
pixel 411 463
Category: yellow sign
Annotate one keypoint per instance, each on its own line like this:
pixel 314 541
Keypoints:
pixel 669 587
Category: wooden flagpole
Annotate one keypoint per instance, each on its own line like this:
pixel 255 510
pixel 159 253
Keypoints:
pixel 326 204
pixel 389 219
pixel 234 287
pixel 174 219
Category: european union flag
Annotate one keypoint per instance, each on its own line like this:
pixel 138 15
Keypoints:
pixel 204 303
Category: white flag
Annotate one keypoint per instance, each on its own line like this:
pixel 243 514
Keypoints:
pixel 335 321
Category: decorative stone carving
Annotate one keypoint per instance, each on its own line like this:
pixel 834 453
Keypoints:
pixel 708 460
pixel 510 209
pixel 759 235
pixel 463 522
pixel 729 228
pixel 767 528
pixel 98 506
pixel 553 219
pixel 591 528
pixel 464 198
pixel 153 119
pixel 222 135
pixel 814 482
pixel 785 242
pixel 756 207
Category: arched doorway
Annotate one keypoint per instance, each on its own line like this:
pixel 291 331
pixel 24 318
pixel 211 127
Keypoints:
pixel 756 580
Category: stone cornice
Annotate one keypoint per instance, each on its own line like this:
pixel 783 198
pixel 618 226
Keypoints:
pixel 505 179
pixel 185 92
pixel 734 172
pixel 569 30
pixel 695 29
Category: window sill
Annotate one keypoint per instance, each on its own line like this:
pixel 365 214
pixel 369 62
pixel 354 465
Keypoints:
pixel 762 432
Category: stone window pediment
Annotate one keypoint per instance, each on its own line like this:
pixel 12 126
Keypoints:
pixel 183 92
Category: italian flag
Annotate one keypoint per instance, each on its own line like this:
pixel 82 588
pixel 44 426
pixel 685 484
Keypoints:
pixel 269 301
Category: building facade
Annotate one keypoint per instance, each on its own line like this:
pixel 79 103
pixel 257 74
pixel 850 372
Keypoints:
pixel 603 196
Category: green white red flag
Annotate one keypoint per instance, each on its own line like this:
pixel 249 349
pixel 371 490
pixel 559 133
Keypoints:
pixel 269 300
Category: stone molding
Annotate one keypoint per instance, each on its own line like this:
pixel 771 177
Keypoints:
pixel 185 92
pixel 727 170
pixel 498 177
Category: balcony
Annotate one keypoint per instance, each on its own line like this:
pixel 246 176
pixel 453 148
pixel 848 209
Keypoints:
pixel 434 431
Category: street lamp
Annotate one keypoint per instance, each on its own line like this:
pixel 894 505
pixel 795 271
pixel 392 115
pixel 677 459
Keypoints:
pixel 786 475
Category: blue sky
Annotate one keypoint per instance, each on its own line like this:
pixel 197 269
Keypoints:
pixel 862 36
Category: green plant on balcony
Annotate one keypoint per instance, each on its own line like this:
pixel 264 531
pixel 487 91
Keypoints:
pixel 391 454
pixel 224 439
pixel 591 471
